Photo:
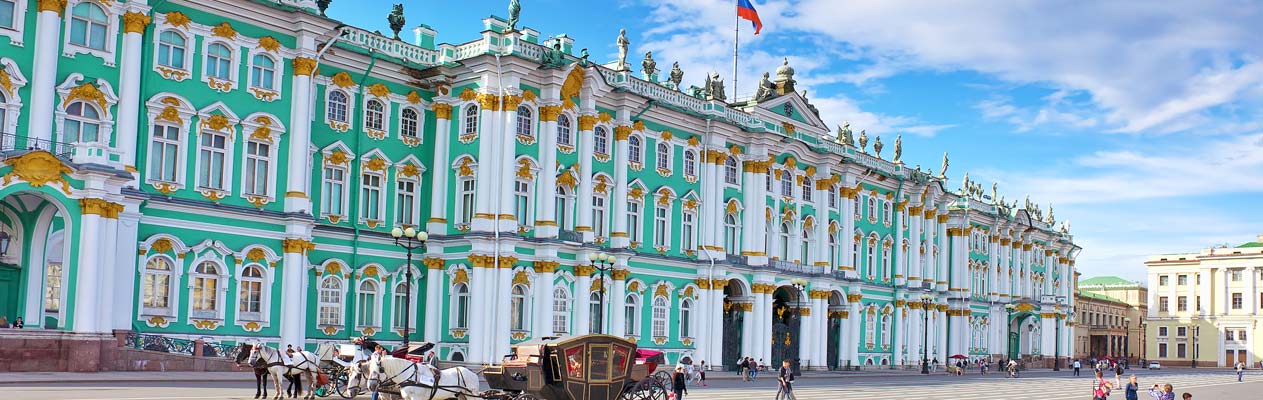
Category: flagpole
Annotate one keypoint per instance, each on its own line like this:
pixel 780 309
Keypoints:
pixel 736 36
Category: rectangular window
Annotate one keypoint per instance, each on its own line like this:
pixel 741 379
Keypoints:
pixel 686 231
pixel 52 290
pixel 1241 335
pixel 257 167
pixel 406 201
pixel 522 202
pixel 1162 350
pixel 1180 351
pixel 1236 276
pixel 332 191
pixel 370 197
pixel 164 151
pixel 1236 301
pixel 598 215
pixel 1162 280
pixel 1199 302
pixel 633 221
pixel 466 201
pixel 214 152
pixel 807 189
pixel 1162 331
pixel 6 13
pixel 1181 303
pixel 1181 331
pixel 1228 334
pixel 660 232
pixel 1181 280
pixel 1162 304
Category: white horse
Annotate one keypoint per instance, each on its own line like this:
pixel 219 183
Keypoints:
pixel 303 362
pixel 419 381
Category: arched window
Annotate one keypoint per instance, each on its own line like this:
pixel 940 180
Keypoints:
pixel 872 256
pixel 563 208
pixel 409 122
pixel 367 302
pixel 686 318
pixel 517 308
pixel 460 306
pixel 690 163
pixel 83 123
pixel 663 157
pixel 218 61
pixel 730 234
pixel 594 310
pixel 633 149
pixel 784 241
pixel 661 232
pixel 834 251
pixel 660 305
pixel 872 208
pixel 688 225
pixel 887 262
pixel 88 26
pixel 598 214
pixel 564 130
pixel 250 296
pixel 787 184
pixel 263 72
pixel 374 115
pixel 330 301
pixel 601 141
pixel 212 159
pixel 631 312
pixel 885 331
pixel 833 198
pixel 855 250
pixel 807 188
pixel 171 49
pixel 730 170
pixel 806 240
pixel 471 119
pixel 401 308
pixel 885 213
pixel 561 311
pixel 205 295
pixel 870 330
pixel 336 107
pixel 525 122
pixel 157 286
pixel 857 208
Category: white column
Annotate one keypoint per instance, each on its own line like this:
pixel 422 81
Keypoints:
pixel 582 292
pixel 944 251
pixel 108 251
pixel 618 237
pixel 757 320
pixel 900 272
pixel 543 325
pixel 615 321
pixel 546 184
pixel 507 139
pixel 766 338
pixel 85 298
pixel 437 224
pixel 820 252
pixel 716 317
pixel 124 268
pixel 854 319
pixel 848 234
pixel 43 80
pixel 914 246
pixel 993 269
pixel 126 131
pixel 293 273
pixel 1252 297
pixel 433 301
pixel 583 199
pixel 897 321
pixel 929 264
pixel 482 276
pixel 488 165
pixel 298 173
pixel 503 315
pixel 942 334
pixel 747 325
pixel 806 328
pixel 750 183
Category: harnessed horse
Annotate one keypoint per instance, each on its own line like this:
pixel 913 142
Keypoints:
pixel 415 381
pixel 293 389
pixel 302 362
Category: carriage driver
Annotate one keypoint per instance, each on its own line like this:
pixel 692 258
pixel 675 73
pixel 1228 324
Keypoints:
pixel 367 344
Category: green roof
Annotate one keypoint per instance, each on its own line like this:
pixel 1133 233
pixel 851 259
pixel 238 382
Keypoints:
pixel 1106 281
pixel 1252 244
pixel 1099 296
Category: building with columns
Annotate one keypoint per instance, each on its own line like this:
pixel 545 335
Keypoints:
pixel 231 170
pixel 1130 318
pixel 1204 306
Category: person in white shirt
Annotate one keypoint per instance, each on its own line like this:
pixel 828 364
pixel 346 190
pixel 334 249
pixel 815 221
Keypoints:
pixel 1077 365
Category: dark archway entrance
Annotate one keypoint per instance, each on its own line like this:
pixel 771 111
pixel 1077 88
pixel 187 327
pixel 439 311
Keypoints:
pixel 733 319
pixel 785 326
pixel 834 342
pixel 32 270
pixel 1016 323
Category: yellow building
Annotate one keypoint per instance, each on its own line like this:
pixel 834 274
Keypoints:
pixel 1206 306
pixel 1128 320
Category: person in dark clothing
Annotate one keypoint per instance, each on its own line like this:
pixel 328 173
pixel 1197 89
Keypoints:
pixel 679 383
pixel 786 377
pixel 18 324
pixel 745 369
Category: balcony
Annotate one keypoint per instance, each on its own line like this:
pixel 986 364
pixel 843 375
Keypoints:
pixel 797 268
pixel 12 142
pixel 78 153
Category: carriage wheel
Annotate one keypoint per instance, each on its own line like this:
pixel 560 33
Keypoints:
pixel 664 379
pixel 647 389
pixel 337 381
pixel 525 396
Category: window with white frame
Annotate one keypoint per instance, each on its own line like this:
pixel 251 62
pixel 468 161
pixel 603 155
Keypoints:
pixel 690 163
pixel 661 234
pixel 634 149
pixel 212 156
pixel 631 312
pixel 601 141
pixel 52 288
pixel 807 188
pixel 8 10
pixel 887 262
pixel 89 26
pixel 336 107
pixel 205 291
pixel 885 331
pixel 561 311
pixel 872 256
pixel 598 215
pixel 371 197
pixel 872 208
pixel 633 220
pixel 82 124
pixel 686 318
pixel 3 112
pixel 885 213
pixel 660 307
pixel 858 209
pixel 158 279
pixel 250 293
pixel 594 308
pixel 366 301
pixel 784 245
pixel 835 252
pixel 333 191
pixel 833 198
pixel 870 329
pixel 375 115
pixel 406 201
pixel 730 234
pixel 330 301
pixel 258 167
pixel 460 306
pixel 263 72
pixel 400 307
pixel 767 180
pixel 564 221
pixel 466 200
pixel 804 243
pixel 787 184
pixel 164 153
pixel 517 308
pixel 564 130
pixel 409 122
pixel 172 47
pixel 522 201
pixel 855 250
pixel 218 63
pixel 663 157
pixel 471 119
pixel 688 223
pixel 731 172
pixel 525 122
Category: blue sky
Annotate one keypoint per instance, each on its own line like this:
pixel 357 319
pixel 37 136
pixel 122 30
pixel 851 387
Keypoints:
pixel 1138 121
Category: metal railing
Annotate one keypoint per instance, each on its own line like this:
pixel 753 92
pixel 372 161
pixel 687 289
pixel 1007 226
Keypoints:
pixel 171 345
pixel 13 142
pixel 570 236
pixel 793 267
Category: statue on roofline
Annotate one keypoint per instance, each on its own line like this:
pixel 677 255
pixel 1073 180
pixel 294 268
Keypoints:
pixel 898 149
pixel 583 57
pixel 863 141
pixel 649 66
pixel 553 57
pixel 622 50
pixel 515 9
pixel 942 174
pixel 877 146
pixel 844 134
pixel 766 90
pixel 396 19
pixel 676 76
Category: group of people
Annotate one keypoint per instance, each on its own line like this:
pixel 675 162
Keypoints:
pixel 748 369
pixel 687 374
pixel 1102 387
pixel 17 323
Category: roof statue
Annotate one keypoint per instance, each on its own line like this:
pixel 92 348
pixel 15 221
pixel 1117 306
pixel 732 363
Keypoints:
pixel 844 134
pixel 515 9
pixel 649 67
pixel 877 146
pixel 766 91
pixel 622 50
pixel 942 174
pixel 785 78
pixel 714 89
pixel 964 183
pixel 583 57
pixel 396 20
pixel 1050 219
pixel 993 192
pixel 810 106
pixel 863 141
pixel 898 149
pixel 676 76
pixel 553 57
pixel 323 5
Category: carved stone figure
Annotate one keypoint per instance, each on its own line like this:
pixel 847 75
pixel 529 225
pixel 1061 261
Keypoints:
pixel 515 9
pixel 964 183
pixel 553 57
pixel 898 149
pixel 863 141
pixel 1050 219
pixel 785 78
pixel 677 75
pixel 583 57
pixel 649 66
pixel 396 19
pixel 714 87
pixel 994 194
pixel 943 173
pixel 877 146
pixel 810 106
pixel 767 89
pixel 323 5
pixel 622 50
pixel 844 134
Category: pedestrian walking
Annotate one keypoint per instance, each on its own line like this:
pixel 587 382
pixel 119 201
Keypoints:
pixel 1240 367
pixel 934 365
pixel 1077 365
pixel 1165 393
pixel 1118 374
pixel 1188 396
pixel 754 369
pixel 702 371
pixel 678 384
pixel 1132 388
pixel 745 369
pixel 1100 387
pixel 786 378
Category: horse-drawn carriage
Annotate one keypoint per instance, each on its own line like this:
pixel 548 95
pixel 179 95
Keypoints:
pixel 590 367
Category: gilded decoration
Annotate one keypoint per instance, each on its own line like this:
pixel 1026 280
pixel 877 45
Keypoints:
pixel 489 102
pixel 337 157
pixel 224 30
pixel 134 22
pixel 262 133
pixel 511 102
pixel 57 6
pixel 375 164
pixel 86 92
pixel 465 169
pixel 269 43
pixel 263 94
pixel 601 186
pixel 252 327
pixel 205 324
pixel 661 290
pixel 304 66
pixel 566 178
pixel 410 170
pixel 854 297
pixel 584 270
pixel 433 263
pixel 177 19
pixel 161 245
pixel 572 85
pixel 520 278
pixel 549 113
pixel 546 267
pixel 170 114
pixel 100 207
pixel 379 90
pixel 622 132
pixel 217 122
pixel 173 74
pixel 330 330
pixel 256 255
pixel 587 122
pixel 297 246
pixel 38 168
pixel 524 169
pixel 6 81
pixel 342 80
pixel 442 111
pixel 157 322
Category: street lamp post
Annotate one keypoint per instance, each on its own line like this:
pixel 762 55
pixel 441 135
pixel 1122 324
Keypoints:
pixel 926 303
pixel 410 239
pixel 1193 334
pixel 800 287
pixel 1057 300
pixel 604 263
pixel 1127 340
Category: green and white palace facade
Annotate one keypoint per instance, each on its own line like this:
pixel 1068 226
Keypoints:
pixel 230 170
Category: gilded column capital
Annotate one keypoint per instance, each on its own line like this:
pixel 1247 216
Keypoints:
pixel 929 213
pixel 482 261
pixel 584 270
pixel 854 297
pixel 1026 246
pixel 304 66
pixel 1005 241
pixel 587 122
pixel 620 274
pixel 134 22
pixel 511 101
pixel 942 218
pixel 507 262
pixel 703 283
pixel 100 207
pixel 434 263
pixel 489 102
pixel 622 132
pixel 549 113
pixel 546 267
pixel 300 246
pixel 57 6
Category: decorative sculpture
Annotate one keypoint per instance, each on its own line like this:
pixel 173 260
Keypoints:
pixel 396 19
pixel 553 57
pixel 715 87
pixel 677 75
pixel 943 173
pixel 898 149
pixel 810 106
pixel 994 194
pixel 863 141
pixel 515 9
pixel 622 50
pixel 964 183
pixel 877 146
pixel 583 57
pixel 1050 219
pixel 785 77
pixel 844 134
pixel 766 91
pixel 323 5
pixel 649 67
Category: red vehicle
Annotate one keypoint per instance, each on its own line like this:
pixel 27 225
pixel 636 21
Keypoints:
pixel 589 367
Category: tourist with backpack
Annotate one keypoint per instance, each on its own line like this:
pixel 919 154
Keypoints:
pixel 1101 387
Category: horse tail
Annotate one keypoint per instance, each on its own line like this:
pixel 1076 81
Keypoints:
pixel 471 378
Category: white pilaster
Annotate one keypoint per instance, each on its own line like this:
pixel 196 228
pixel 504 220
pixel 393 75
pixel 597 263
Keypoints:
pixel 583 200
pixel 433 302
pixel 124 268
pixel 582 293
pixel 127 127
pixel 619 236
pixel 488 168
pixel 293 273
pixel 298 173
pixel 437 223
pixel 546 184
pixel 43 79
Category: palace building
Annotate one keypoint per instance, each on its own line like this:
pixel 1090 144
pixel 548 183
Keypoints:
pixel 231 170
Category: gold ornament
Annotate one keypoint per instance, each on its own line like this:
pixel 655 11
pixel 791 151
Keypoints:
pixel 38 168
pixel 175 18
pixel 224 30
pixel 304 66
pixel 269 43
pixel 134 22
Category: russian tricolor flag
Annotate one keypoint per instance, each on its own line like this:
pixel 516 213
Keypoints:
pixel 745 10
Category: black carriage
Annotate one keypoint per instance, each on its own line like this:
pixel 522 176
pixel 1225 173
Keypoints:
pixel 589 367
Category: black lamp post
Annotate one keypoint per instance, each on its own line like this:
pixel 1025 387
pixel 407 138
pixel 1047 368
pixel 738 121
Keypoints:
pixel 1127 340
pixel 926 303
pixel 1056 331
pixel 1193 335
pixel 800 287
pixel 4 242
pixel 604 263
pixel 410 239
